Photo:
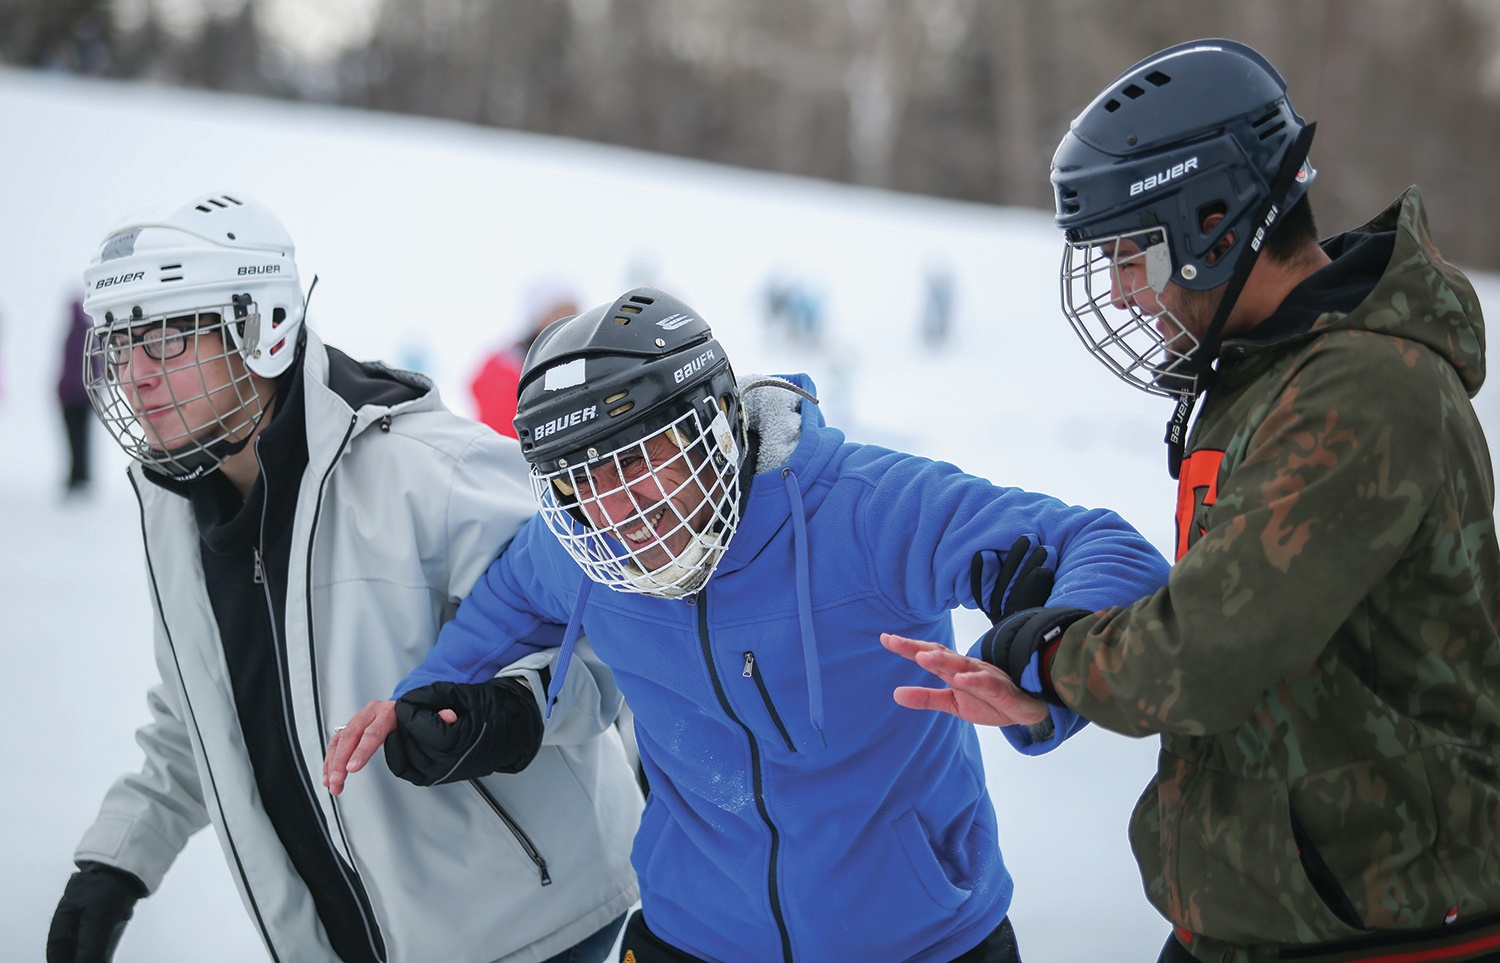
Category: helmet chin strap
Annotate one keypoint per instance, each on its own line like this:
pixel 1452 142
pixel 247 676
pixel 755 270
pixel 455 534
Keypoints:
pixel 1199 363
pixel 677 575
pixel 195 461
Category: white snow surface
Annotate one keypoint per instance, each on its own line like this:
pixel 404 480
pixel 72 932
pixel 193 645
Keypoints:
pixel 424 235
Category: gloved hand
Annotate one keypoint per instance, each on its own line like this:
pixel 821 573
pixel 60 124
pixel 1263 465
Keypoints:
pixel 1011 644
pixel 499 729
pixel 1023 581
pixel 91 916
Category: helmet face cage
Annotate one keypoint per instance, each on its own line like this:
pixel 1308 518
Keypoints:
pixel 653 516
pixel 173 389
pixel 1103 307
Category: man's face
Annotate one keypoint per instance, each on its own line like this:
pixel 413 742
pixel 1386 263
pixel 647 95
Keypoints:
pixel 650 498
pixel 181 380
pixel 1181 317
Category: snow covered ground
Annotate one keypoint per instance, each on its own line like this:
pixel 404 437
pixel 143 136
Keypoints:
pixel 423 234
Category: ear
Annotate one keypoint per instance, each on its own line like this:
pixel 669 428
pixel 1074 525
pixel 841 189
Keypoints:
pixel 1226 242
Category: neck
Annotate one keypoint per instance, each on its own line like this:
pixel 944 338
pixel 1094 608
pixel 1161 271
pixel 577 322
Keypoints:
pixel 243 467
pixel 1269 283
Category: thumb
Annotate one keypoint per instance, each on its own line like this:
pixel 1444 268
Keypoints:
pixel 448 716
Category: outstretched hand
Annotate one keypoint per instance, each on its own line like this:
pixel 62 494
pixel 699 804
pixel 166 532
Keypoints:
pixel 353 744
pixel 977 692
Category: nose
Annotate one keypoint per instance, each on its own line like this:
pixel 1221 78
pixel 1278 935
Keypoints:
pixel 138 374
pixel 1118 296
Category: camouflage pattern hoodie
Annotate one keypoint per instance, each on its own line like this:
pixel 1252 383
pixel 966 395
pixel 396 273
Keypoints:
pixel 1323 665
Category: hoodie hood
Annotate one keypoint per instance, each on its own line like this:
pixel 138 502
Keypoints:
pixel 1418 296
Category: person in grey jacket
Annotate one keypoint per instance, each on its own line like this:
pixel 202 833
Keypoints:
pixel 309 523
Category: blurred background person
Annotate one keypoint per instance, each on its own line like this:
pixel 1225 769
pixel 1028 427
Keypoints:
pixel 73 398
pixel 495 382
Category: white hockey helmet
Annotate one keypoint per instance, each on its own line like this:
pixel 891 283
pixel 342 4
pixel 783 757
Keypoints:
pixel 217 251
pixel 216 276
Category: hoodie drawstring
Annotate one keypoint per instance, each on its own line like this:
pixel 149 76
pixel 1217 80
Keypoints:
pixel 570 637
pixel 804 604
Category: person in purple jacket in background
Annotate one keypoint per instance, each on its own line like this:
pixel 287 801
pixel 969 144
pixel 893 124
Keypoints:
pixel 73 399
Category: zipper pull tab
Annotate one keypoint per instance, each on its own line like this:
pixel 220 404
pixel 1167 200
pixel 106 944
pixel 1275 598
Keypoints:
pixel 749 672
pixel 260 573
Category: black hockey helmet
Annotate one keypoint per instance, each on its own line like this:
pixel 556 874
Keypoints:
pixel 619 373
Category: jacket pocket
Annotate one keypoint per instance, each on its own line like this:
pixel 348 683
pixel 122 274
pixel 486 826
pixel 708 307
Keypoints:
pixel 924 862
pixel 752 671
pixel 1322 879
pixel 1229 866
pixel 533 854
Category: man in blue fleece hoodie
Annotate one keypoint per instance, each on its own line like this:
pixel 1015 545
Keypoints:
pixel 754 560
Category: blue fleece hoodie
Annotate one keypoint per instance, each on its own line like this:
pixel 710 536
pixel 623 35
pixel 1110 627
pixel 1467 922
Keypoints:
pixel 796 812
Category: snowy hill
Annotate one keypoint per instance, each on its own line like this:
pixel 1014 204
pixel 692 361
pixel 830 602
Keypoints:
pixel 423 233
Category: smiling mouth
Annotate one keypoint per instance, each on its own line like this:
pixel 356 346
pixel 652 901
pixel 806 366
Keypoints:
pixel 646 532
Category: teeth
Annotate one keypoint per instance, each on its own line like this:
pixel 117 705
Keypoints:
pixel 647 531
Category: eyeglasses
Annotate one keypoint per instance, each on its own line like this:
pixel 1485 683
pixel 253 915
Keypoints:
pixel 161 342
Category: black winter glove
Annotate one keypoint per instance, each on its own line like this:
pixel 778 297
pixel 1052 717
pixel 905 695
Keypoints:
pixel 1023 581
pixel 499 729
pixel 1011 644
pixel 91 916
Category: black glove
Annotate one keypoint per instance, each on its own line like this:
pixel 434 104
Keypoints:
pixel 499 729
pixel 1023 581
pixel 95 905
pixel 1011 644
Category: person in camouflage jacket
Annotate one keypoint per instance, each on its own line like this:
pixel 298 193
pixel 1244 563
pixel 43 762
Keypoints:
pixel 1323 666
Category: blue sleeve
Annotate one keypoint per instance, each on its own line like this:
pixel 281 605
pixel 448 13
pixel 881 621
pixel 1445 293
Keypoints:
pixel 924 521
pixel 511 612
pixel 1065 722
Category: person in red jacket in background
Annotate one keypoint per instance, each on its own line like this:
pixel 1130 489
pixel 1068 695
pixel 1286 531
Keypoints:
pixel 495 382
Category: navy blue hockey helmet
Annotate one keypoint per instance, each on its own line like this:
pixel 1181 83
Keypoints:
pixel 1198 125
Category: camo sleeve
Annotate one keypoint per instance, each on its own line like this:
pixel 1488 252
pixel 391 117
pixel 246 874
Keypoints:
pixel 1334 469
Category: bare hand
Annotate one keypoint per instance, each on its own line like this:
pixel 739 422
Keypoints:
pixel 977 691
pixel 353 744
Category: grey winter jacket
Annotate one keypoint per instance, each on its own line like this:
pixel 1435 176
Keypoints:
pixel 396 518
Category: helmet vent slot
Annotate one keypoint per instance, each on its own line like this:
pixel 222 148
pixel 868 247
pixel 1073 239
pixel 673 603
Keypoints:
pixel 1158 79
pixel 1266 119
pixel 627 406
pixel 1112 105
pixel 642 299
pixel 218 202
pixel 1134 91
pixel 167 275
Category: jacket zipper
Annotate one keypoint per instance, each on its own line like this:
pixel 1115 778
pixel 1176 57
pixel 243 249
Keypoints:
pixel 372 929
pixel 773 890
pixel 532 853
pixel 753 672
pixel 191 718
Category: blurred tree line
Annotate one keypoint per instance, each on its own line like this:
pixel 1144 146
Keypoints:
pixel 956 98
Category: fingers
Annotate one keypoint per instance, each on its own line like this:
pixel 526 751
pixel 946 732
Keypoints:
pixel 987 696
pixel 909 648
pixel 977 691
pixel 353 745
pixel 917 697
